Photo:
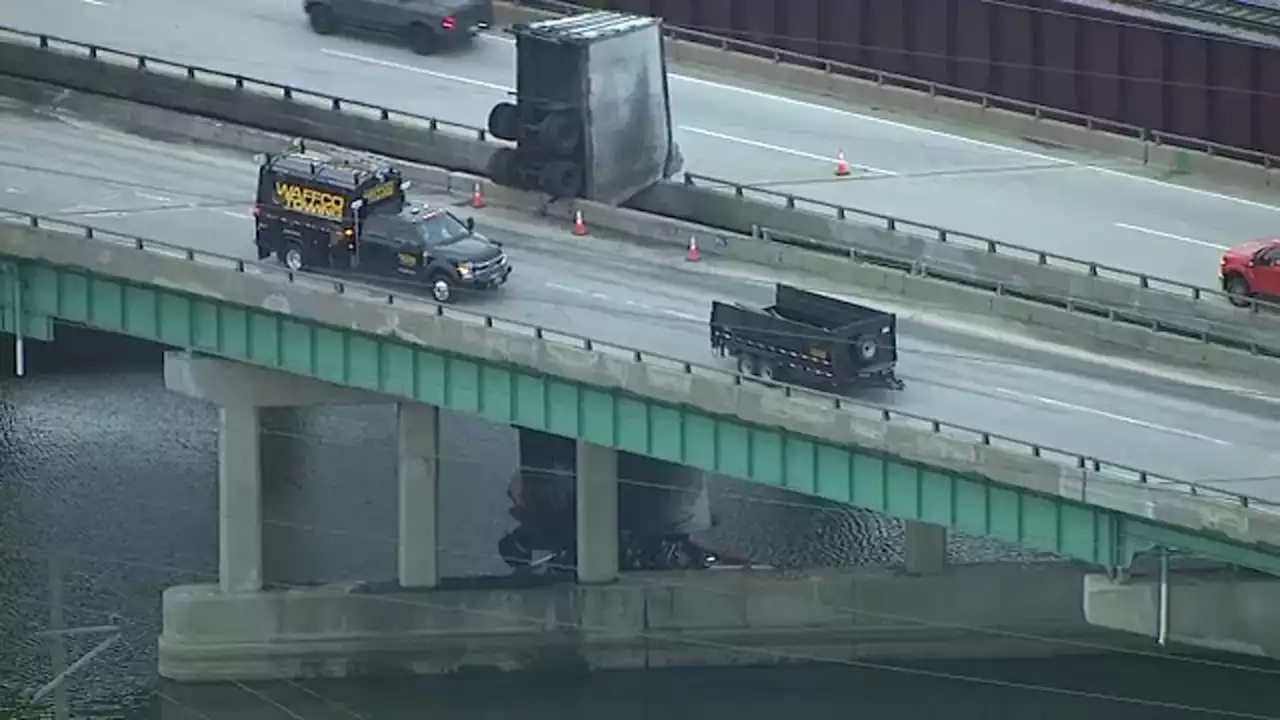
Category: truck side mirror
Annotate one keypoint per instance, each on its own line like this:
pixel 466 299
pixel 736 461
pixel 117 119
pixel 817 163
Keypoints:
pixel 471 224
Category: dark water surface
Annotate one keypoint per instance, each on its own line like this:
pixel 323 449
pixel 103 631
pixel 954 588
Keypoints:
pixel 116 479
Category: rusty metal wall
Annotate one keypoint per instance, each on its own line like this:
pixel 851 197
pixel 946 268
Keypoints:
pixel 1041 51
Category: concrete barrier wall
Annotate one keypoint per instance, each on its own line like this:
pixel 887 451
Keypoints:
pixel 716 392
pixel 1147 317
pixel 233 99
pixel 647 620
pixel 1209 317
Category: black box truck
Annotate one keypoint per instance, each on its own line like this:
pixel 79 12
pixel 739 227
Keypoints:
pixel 591 117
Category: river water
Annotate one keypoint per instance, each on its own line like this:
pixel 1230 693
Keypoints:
pixel 108 495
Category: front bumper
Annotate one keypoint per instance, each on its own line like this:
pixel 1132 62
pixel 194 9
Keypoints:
pixel 488 280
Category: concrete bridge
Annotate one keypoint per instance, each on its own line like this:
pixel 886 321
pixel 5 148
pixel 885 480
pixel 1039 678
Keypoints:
pixel 248 336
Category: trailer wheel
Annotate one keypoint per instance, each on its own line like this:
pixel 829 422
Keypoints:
pixel 768 371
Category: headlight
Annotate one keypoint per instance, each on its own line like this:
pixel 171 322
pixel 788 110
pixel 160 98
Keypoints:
pixel 464 269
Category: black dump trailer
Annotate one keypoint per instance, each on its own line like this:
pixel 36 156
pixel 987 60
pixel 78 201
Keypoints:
pixel 809 339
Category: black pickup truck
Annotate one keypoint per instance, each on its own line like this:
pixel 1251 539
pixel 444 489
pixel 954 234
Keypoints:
pixel 809 339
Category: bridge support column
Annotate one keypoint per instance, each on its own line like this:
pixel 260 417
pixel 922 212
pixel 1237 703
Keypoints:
pixel 419 495
pixel 926 548
pixel 239 499
pixel 240 392
pixel 597 510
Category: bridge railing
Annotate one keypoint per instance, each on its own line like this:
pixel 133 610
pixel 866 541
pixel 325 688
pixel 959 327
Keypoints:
pixel 973 241
pixel 196 73
pixel 935 89
pixel 1102 470
pixel 204 75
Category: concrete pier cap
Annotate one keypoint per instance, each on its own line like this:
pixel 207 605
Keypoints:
pixel 232 384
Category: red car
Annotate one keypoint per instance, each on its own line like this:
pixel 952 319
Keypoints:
pixel 1251 270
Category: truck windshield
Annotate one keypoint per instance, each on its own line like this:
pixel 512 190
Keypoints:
pixel 441 229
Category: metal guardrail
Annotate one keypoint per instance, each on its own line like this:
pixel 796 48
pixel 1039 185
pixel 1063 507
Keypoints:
pixel 950 92
pixel 1182 326
pixel 1251 16
pixel 985 244
pixel 1111 472
pixel 196 73
pixel 204 75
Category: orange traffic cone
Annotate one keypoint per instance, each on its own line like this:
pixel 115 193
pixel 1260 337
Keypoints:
pixel 579 227
pixel 693 255
pixel 477 199
pixel 842 165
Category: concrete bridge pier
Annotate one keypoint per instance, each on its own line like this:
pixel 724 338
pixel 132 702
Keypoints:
pixel 242 393
pixel 596 477
pixel 418 497
pixel 925 548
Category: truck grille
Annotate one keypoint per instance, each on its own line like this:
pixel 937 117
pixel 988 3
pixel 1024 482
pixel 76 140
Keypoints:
pixel 489 266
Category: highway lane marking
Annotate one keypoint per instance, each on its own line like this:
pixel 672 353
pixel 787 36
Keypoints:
pixel 696 131
pixel 95 3
pixel 830 159
pixel 1170 236
pixel 149 196
pixel 1111 416
pixel 416 69
pixel 631 303
pixel 942 134
pixel 684 315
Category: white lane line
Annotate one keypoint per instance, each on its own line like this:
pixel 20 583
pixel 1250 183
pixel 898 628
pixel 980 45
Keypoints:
pixel 941 134
pixel 95 3
pixel 1111 416
pixel 416 69
pixel 696 131
pixel 779 149
pixel 683 315
pixel 149 196
pixel 236 215
pixel 1170 236
pixel 566 288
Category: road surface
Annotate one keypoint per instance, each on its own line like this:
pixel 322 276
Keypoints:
pixel 618 293
pixel 1097 209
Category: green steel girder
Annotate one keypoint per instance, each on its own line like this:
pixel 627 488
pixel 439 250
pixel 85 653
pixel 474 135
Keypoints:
pixel 685 435
pixel 14 319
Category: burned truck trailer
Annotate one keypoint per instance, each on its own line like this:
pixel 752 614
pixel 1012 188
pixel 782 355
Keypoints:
pixel 591 117
pixel 809 339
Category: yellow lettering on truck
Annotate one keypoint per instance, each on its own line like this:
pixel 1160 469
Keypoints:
pixel 310 201
pixel 380 192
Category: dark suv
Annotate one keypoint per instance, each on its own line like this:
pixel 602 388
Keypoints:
pixel 424 25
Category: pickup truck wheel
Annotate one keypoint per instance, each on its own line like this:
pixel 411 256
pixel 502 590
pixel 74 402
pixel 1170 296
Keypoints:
pixel 441 288
pixel 324 21
pixel 1237 290
pixel 421 39
pixel 292 257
